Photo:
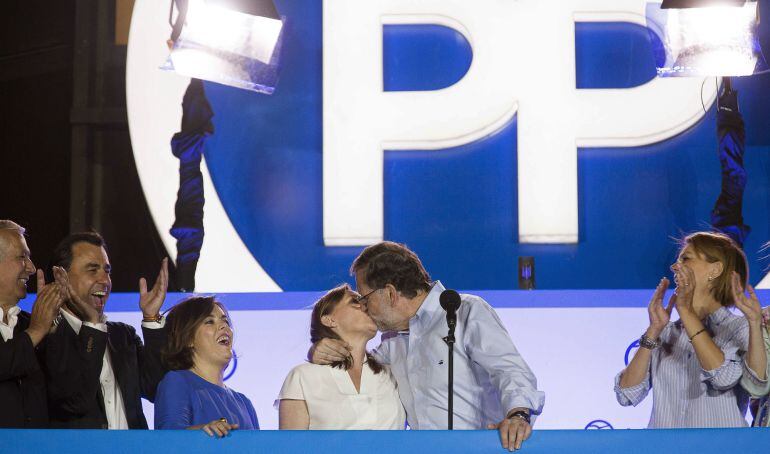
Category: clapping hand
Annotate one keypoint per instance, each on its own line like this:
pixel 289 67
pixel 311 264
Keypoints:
pixel 85 311
pixel 749 305
pixel 659 315
pixel 45 309
pixel 151 301
pixel 685 289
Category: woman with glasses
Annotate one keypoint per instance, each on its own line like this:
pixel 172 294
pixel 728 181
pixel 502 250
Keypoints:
pixel 355 394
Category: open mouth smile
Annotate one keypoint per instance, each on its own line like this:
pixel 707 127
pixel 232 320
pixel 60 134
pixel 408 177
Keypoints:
pixel 224 340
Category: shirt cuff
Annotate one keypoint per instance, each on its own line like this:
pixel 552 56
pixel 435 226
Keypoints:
pixel 724 376
pixel 155 325
pixel 100 326
pixel 752 383
pixel 753 375
pixel 533 400
pixel 633 394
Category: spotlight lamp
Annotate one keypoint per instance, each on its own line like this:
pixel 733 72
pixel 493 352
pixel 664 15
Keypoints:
pixel 705 38
pixel 232 42
pixel 681 4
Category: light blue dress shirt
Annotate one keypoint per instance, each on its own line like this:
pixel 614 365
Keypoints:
pixel 490 376
pixel 758 388
pixel 684 395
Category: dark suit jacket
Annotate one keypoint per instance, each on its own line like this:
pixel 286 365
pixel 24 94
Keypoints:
pixel 73 364
pixel 22 384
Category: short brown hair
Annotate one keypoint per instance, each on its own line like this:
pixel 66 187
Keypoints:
pixel 717 247
pixel 392 263
pixel 324 306
pixel 181 322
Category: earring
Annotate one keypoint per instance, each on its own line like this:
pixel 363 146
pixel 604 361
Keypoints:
pixel 711 278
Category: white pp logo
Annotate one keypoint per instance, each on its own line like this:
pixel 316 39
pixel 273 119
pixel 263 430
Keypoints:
pixel 523 63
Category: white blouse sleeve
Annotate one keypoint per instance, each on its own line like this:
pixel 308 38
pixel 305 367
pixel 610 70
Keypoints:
pixel 292 386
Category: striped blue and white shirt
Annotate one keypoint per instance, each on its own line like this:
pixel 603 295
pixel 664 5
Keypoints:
pixel 683 393
pixel 758 388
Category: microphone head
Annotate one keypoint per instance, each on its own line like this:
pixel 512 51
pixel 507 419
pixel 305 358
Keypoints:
pixel 450 300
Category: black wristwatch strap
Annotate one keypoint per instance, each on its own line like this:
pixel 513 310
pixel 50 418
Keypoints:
pixel 520 414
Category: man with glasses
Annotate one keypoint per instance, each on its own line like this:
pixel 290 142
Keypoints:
pixel 493 385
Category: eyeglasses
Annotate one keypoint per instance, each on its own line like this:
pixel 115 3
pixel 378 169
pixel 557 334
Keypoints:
pixel 362 299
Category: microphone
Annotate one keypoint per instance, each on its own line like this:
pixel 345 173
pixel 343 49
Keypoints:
pixel 450 302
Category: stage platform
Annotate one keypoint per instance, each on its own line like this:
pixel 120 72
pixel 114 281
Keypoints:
pixel 701 441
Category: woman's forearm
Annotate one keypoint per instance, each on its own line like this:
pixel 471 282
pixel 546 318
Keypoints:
pixel 756 357
pixel 293 415
pixel 639 365
pixel 709 355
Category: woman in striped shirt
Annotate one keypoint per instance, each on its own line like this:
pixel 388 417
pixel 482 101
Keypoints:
pixel 693 365
pixel 755 375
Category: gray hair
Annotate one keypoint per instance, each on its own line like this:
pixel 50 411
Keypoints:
pixel 7 224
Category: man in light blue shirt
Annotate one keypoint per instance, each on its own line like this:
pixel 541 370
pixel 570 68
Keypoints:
pixel 493 386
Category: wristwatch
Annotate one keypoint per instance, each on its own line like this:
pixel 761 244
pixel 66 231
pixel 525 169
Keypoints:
pixel 521 414
pixel 649 344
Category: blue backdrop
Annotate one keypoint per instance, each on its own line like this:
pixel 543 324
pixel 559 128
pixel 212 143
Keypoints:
pixel 265 160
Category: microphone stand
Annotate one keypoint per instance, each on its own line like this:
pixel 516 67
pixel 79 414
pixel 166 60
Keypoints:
pixel 450 302
pixel 450 341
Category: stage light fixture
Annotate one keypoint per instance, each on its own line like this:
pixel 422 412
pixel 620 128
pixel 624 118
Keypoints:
pixel 235 43
pixel 681 4
pixel 705 38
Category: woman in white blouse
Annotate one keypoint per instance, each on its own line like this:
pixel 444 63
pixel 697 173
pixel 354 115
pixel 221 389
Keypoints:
pixel 356 394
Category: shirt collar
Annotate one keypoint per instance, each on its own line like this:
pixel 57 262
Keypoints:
pixel 429 308
pixel 75 322
pixel 719 316
pixel 13 315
